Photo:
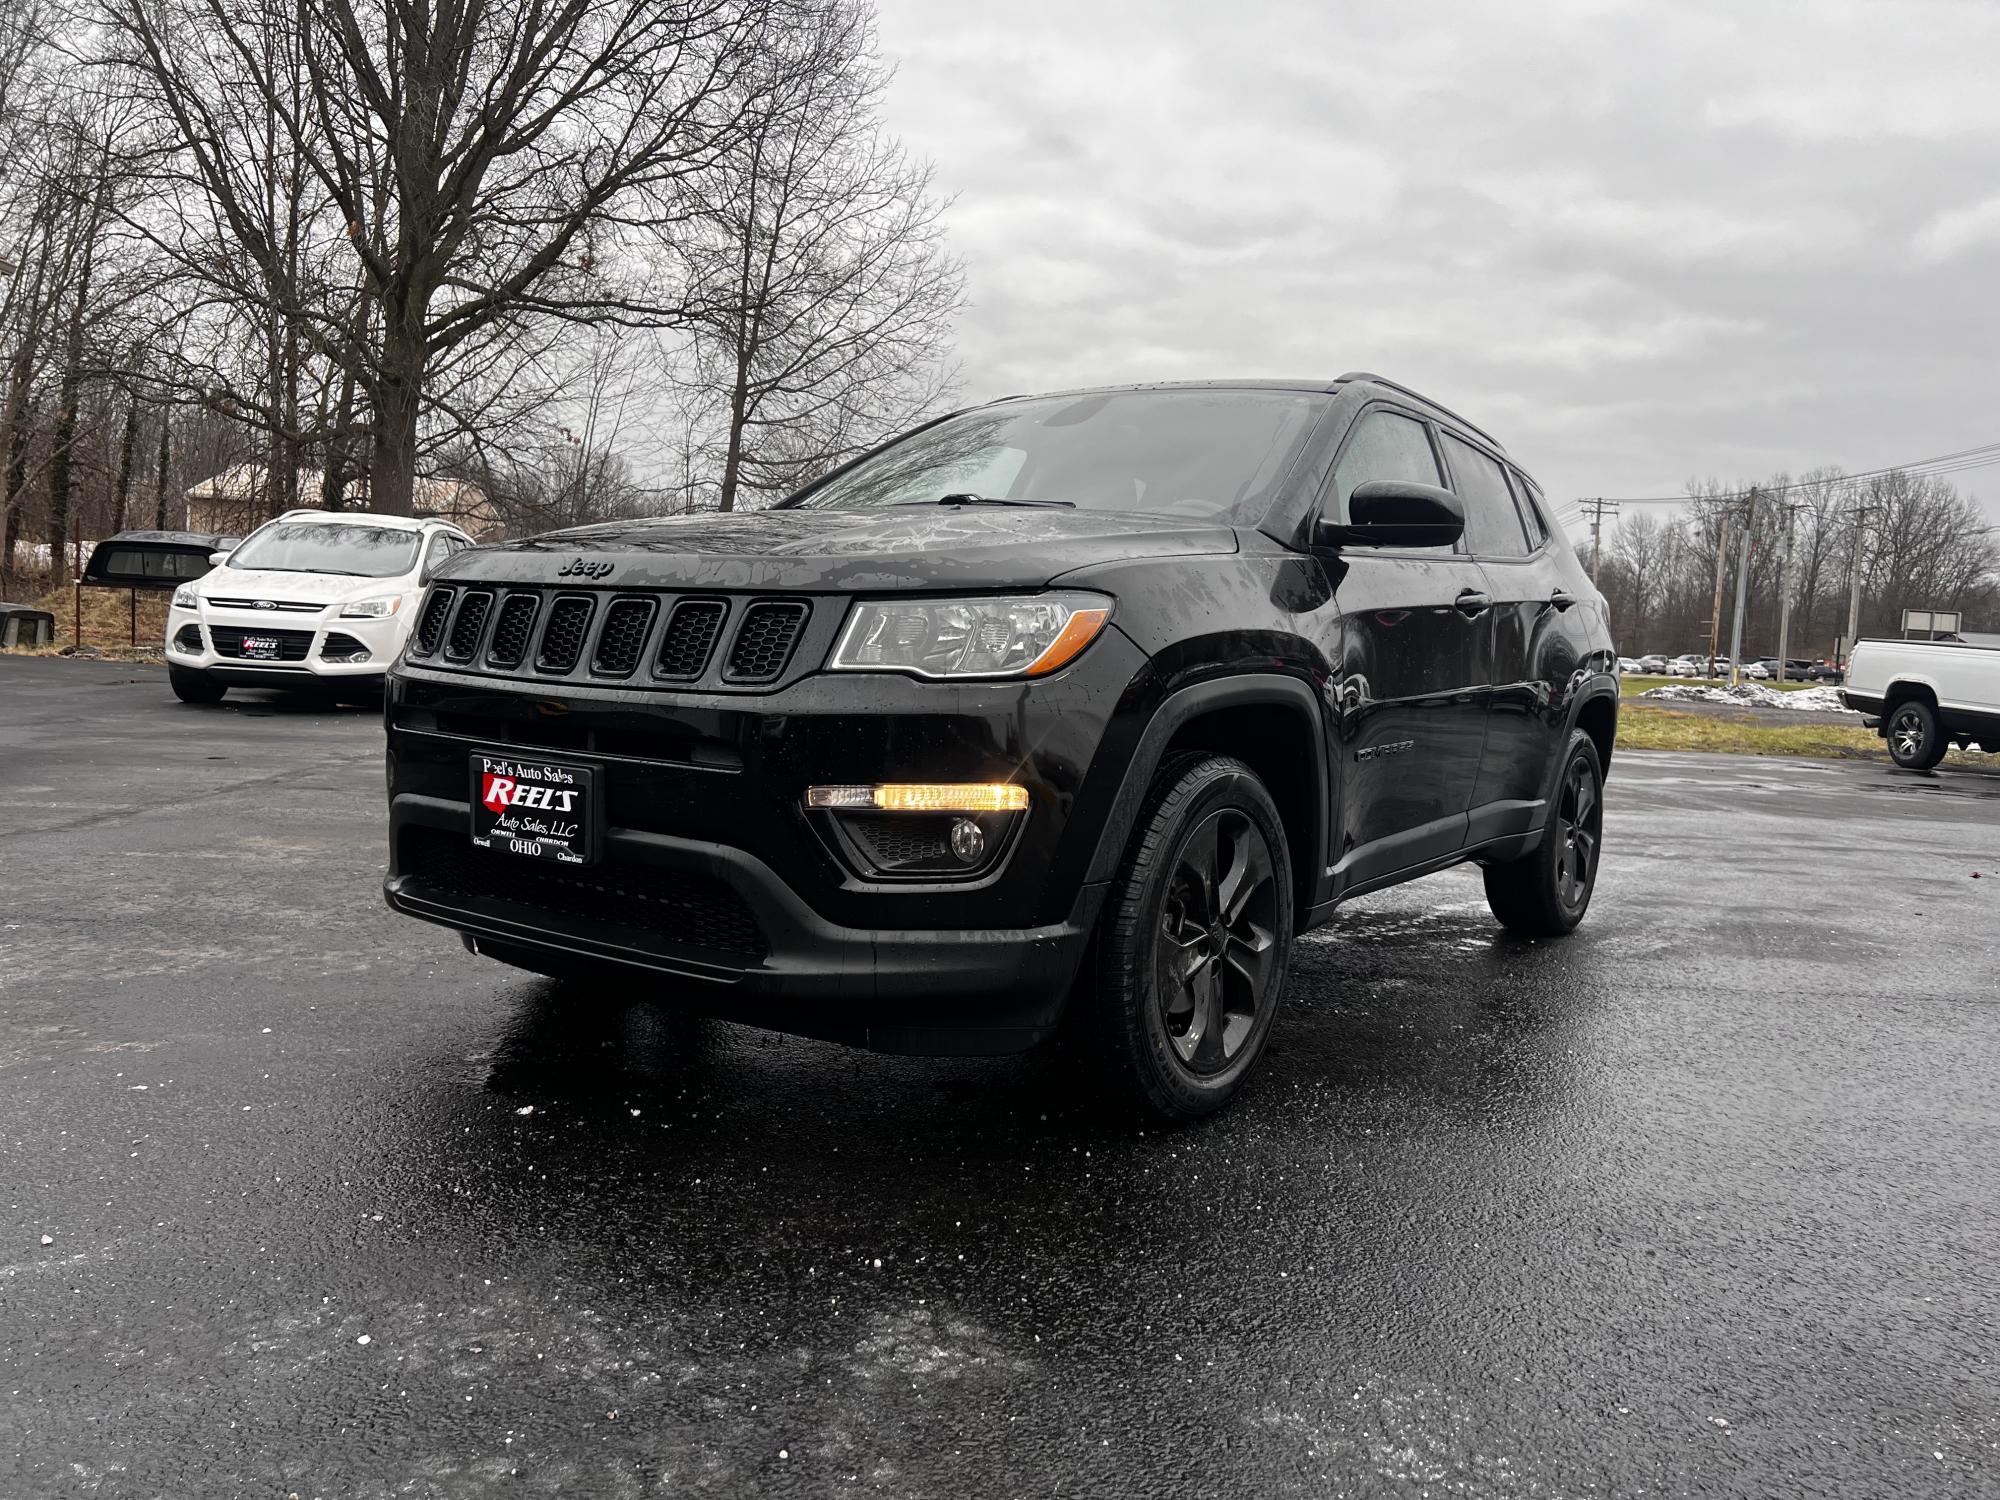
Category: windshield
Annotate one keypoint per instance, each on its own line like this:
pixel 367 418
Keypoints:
pixel 317 547
pixel 1212 455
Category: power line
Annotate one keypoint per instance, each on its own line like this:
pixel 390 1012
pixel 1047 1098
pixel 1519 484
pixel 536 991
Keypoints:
pixel 1983 456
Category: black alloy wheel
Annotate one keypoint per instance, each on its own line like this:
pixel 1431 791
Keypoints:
pixel 1912 731
pixel 1545 892
pixel 1216 943
pixel 1579 831
pixel 1195 940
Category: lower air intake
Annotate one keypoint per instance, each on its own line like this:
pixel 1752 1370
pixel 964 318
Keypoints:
pixel 664 905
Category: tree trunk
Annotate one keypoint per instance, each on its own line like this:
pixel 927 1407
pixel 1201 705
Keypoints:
pixel 16 480
pixel 160 476
pixel 392 460
pixel 14 460
pixel 123 493
pixel 65 434
pixel 739 400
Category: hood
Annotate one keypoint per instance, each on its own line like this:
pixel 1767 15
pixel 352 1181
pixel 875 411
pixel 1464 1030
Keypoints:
pixel 933 548
pixel 298 588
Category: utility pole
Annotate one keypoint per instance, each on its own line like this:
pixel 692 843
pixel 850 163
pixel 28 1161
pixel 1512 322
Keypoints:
pixel 1785 594
pixel 1861 514
pixel 1721 572
pixel 1597 509
pixel 1742 588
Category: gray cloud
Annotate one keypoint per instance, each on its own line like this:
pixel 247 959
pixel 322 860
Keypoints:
pixel 1641 242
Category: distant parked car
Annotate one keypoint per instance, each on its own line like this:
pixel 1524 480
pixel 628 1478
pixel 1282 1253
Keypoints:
pixel 1820 671
pixel 1654 664
pixel 1687 666
pixel 1628 664
pixel 344 585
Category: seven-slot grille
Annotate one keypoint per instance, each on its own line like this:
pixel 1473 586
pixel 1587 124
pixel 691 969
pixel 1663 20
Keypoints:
pixel 623 637
pixel 764 640
pixel 468 625
pixel 512 630
pixel 559 633
pixel 430 628
pixel 563 636
pixel 688 640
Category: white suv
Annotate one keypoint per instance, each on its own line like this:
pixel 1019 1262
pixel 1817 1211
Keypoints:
pixel 315 599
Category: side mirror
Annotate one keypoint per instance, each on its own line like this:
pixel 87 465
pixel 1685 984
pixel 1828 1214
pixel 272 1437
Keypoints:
pixel 217 559
pixel 1396 513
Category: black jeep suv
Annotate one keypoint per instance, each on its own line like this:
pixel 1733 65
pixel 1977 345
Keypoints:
pixel 1082 703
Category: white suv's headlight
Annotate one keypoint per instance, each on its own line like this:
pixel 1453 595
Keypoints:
pixel 1022 637
pixel 371 609
pixel 185 597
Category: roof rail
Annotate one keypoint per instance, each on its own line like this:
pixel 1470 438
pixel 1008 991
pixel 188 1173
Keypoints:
pixel 1395 385
pixel 303 510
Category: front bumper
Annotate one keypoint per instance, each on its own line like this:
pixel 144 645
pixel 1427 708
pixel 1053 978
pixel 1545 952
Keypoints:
pixel 981 990
pixel 706 790
pixel 322 656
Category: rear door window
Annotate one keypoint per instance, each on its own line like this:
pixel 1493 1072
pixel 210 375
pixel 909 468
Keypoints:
pixel 1493 526
pixel 1531 512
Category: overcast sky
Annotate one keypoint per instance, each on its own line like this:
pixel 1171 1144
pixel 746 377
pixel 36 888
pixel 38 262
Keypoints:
pixel 1640 242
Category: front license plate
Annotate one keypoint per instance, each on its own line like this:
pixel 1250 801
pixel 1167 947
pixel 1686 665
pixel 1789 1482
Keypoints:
pixel 261 647
pixel 540 809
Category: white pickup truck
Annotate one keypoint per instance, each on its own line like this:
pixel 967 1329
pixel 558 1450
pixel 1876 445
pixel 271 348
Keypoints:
pixel 1925 696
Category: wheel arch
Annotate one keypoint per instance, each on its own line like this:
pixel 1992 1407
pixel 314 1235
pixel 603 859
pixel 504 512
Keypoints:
pixel 1597 716
pixel 1903 689
pixel 1272 724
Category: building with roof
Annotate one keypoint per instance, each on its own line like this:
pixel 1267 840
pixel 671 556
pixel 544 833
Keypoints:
pixel 238 499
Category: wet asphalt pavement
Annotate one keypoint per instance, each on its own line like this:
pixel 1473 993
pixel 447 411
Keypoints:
pixel 1703 1201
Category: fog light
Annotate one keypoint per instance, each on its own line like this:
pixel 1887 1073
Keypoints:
pixel 924 796
pixel 968 840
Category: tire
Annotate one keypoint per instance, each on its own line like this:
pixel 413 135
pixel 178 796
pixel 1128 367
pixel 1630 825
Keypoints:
pixel 1546 892
pixel 1915 742
pixel 191 685
pixel 1185 992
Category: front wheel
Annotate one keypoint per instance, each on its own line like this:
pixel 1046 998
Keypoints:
pixel 1914 741
pixel 1546 892
pixel 1196 940
pixel 192 685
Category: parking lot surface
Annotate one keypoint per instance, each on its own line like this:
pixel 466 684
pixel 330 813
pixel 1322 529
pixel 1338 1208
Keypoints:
pixel 299 1198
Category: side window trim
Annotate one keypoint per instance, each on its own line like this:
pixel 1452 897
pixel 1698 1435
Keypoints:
pixel 1531 517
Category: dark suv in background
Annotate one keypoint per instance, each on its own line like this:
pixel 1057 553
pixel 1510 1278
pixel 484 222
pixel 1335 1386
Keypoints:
pixel 1083 703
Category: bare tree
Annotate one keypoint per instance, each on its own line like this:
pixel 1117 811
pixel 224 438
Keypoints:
pixel 451 174
pixel 822 241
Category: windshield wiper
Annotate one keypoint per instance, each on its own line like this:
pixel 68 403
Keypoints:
pixel 997 500
pixel 335 572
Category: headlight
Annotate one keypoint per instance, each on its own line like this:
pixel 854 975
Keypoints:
pixel 185 597
pixel 371 609
pixel 1027 637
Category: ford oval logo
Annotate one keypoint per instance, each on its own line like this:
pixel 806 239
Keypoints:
pixel 578 567
pixel 263 604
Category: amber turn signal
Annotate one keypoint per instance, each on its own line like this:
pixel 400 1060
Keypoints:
pixel 924 796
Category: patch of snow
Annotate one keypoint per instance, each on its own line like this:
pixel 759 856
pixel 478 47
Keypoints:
pixel 1753 695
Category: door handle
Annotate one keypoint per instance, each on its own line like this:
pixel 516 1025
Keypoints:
pixel 1471 603
pixel 1562 599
